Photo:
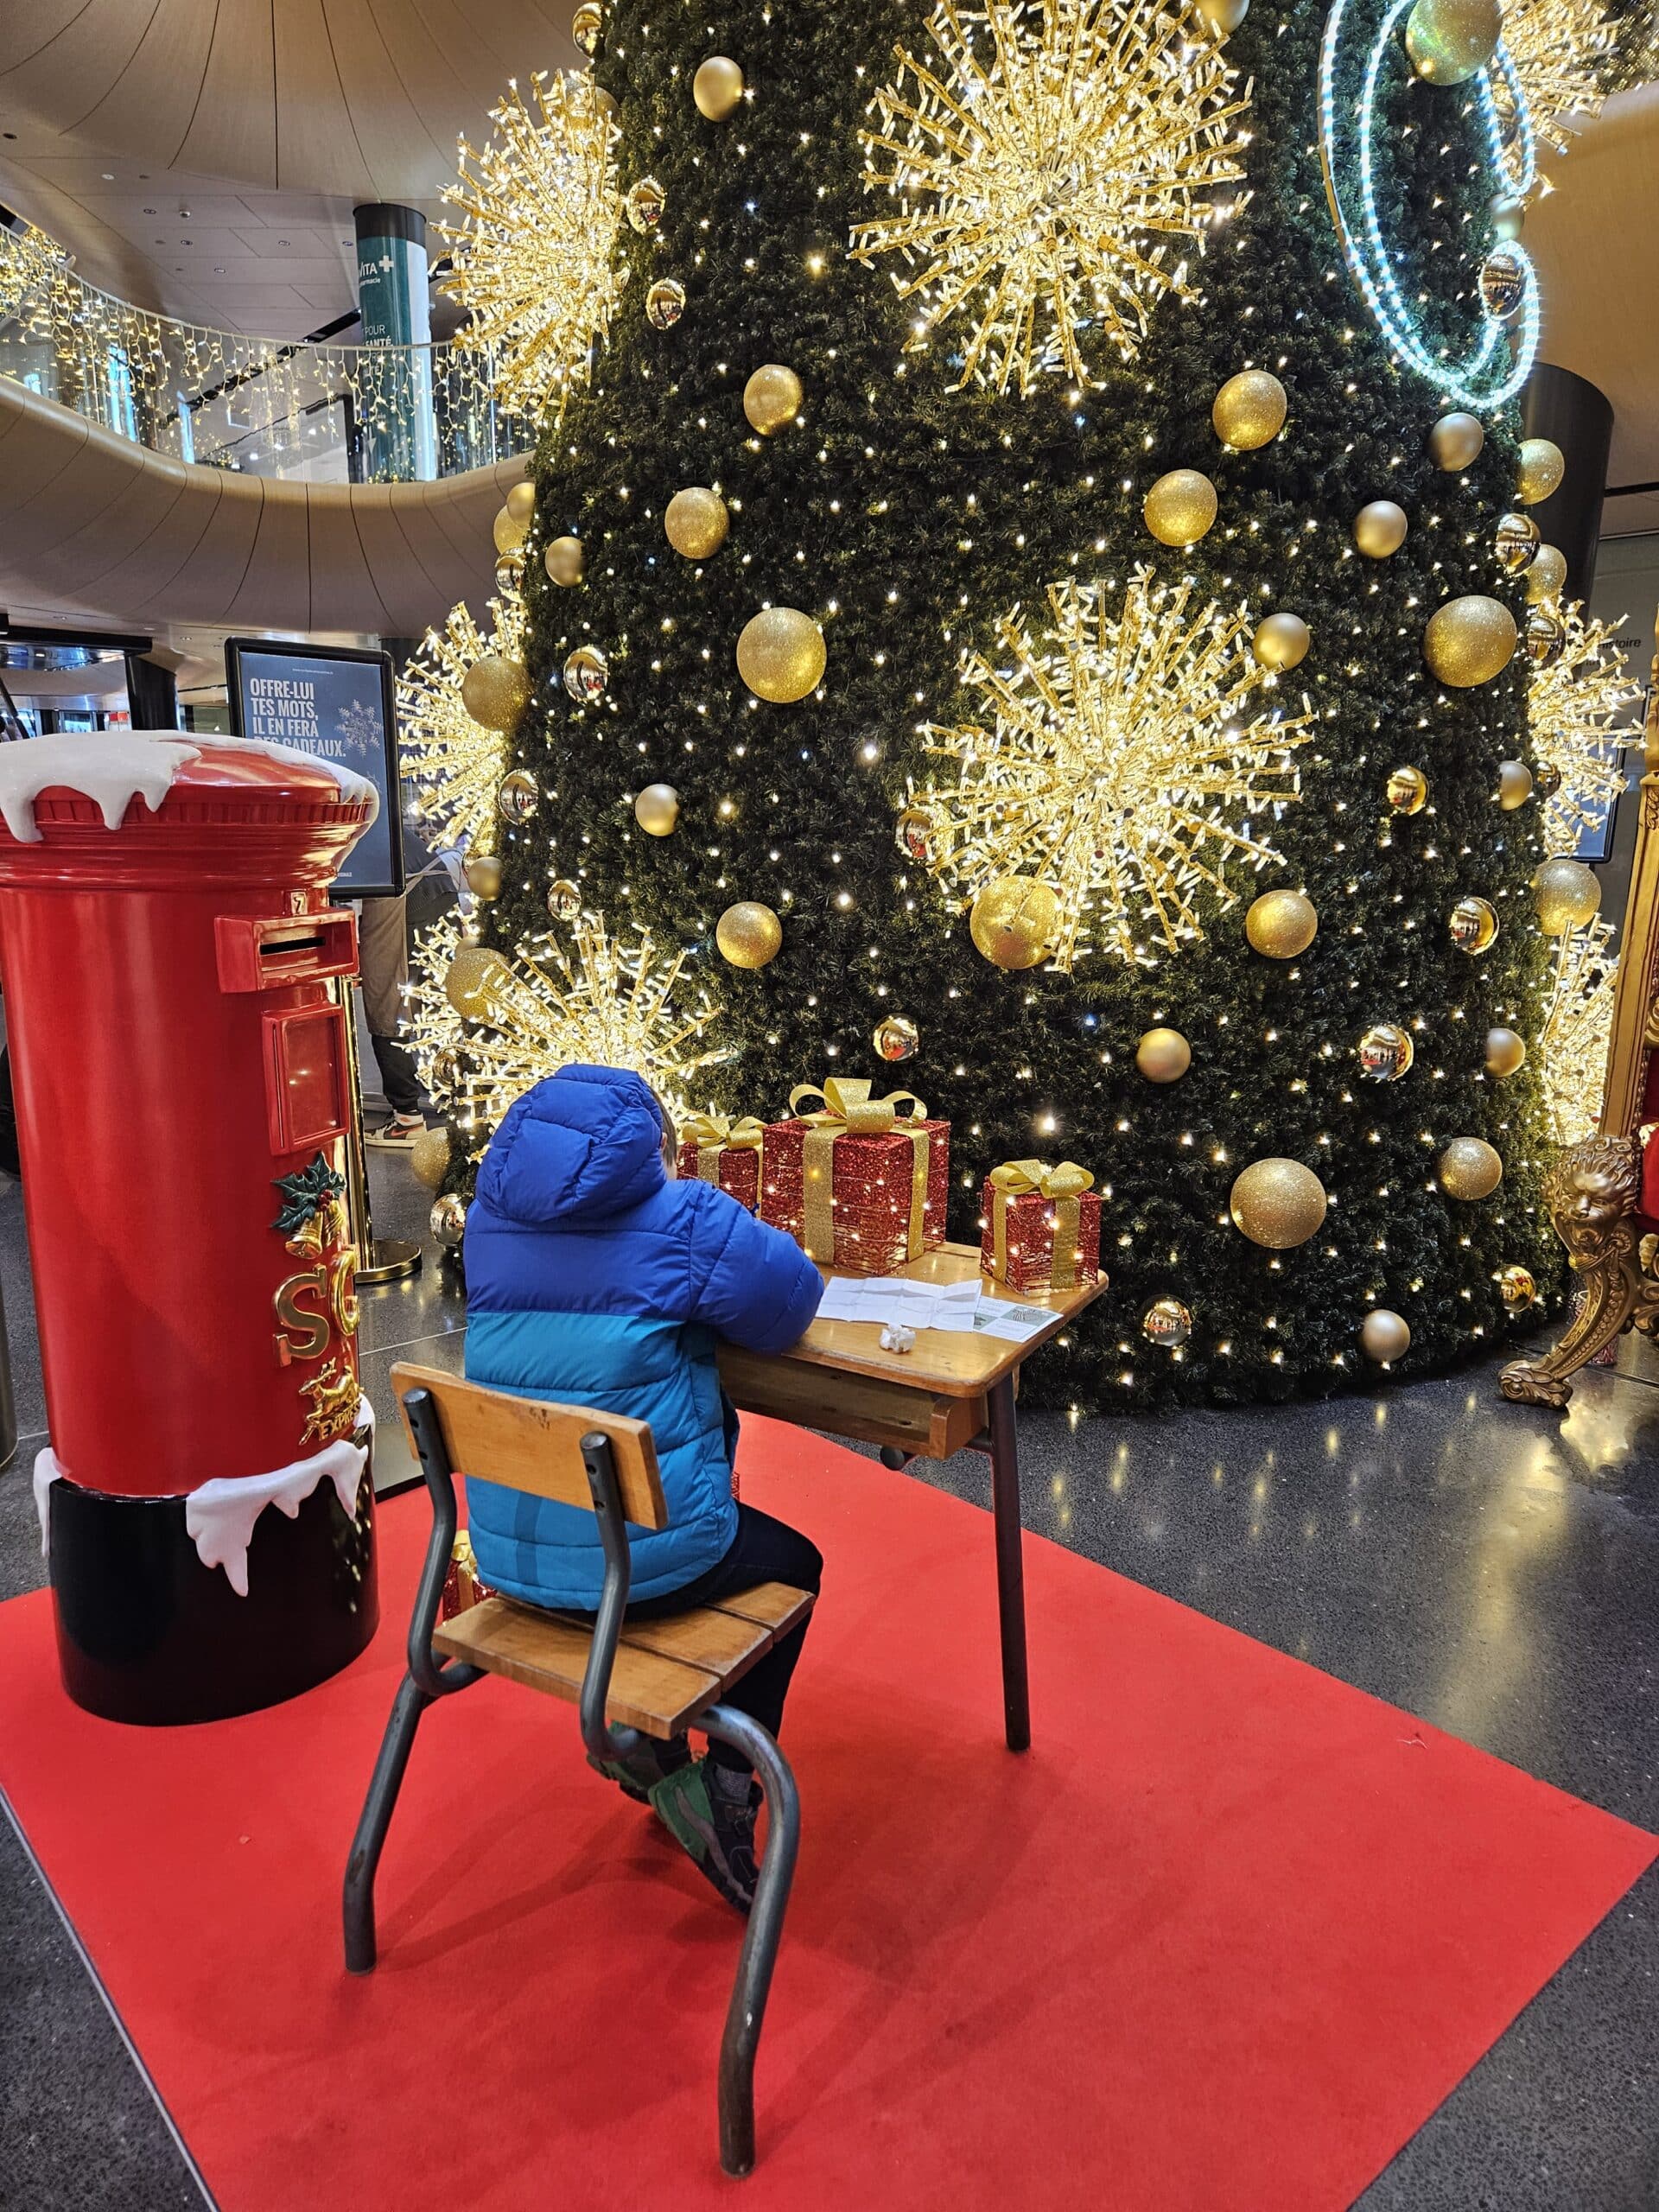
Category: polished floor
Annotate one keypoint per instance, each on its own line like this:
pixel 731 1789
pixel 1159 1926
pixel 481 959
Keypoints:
pixel 1493 1568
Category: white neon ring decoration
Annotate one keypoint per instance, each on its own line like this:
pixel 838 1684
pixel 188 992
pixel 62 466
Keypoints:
pixel 1486 378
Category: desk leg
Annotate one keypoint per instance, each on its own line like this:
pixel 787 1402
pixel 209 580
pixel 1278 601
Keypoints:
pixel 1010 1564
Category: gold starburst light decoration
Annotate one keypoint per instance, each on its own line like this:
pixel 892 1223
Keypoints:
pixel 1577 1031
pixel 535 259
pixel 1046 156
pixel 1561 50
pixel 453 765
pixel 1121 767
pixel 1576 708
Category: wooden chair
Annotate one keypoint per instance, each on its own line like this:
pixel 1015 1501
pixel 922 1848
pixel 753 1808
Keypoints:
pixel 653 1678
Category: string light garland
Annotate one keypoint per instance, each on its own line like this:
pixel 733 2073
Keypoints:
pixel 1117 746
pixel 1560 51
pixel 1575 704
pixel 1041 182
pixel 1577 1031
pixel 453 764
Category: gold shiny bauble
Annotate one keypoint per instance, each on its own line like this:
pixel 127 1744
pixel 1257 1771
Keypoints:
pixel 1516 544
pixel 1407 790
pixel 564 899
pixel 1281 641
pixel 1278 1203
pixel 780 654
pixel 1385 1336
pixel 748 934
pixel 1166 1323
pixel 510 571
pixel 1505 1051
pixel 586 673
pixel 1450 39
pixel 1542 467
pixel 1180 507
pixel 1249 410
pixel 1163 1055
pixel 1473 925
pixel 1380 528
pixel 772 398
pixel 895 1037
pixel 518 797
pixel 588 26
pixel 1386 1052
pixel 657 809
pixel 1548 781
pixel 510 531
pixel 717 87
pixel 474 978
pixel 449 1221
pixel 643 204
pixel 1544 634
pixel 915 830
pixel 1281 924
pixel 495 691
pixel 1455 441
pixel 1509 218
pixel 484 876
pixel 1468 1168
pixel 1469 640
pixel 664 303
pixel 1547 575
pixel 697 522
pixel 1222 16
pixel 1502 283
pixel 1514 785
pixel 1566 894
pixel 565 562
pixel 1516 1287
pixel 429 1157
pixel 521 503
pixel 1013 921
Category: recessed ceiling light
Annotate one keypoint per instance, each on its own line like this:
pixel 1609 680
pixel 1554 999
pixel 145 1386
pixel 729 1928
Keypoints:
pixel 109 176
pixel 218 272
pixel 148 210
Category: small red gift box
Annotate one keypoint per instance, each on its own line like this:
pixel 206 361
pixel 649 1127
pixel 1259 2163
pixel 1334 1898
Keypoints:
pixel 715 1149
pixel 859 1185
pixel 1041 1226
pixel 462 1588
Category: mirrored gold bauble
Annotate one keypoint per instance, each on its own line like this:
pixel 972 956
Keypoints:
pixel 1013 921
pixel 1281 642
pixel 473 978
pixel 1515 542
pixel 748 934
pixel 1547 574
pixel 1542 467
pixel 1516 1287
pixel 586 673
pixel 509 530
pixel 1385 1336
pixel 449 1220
pixel 1468 1168
pixel 1166 1323
pixel 429 1157
pixel 780 654
pixel 697 522
pixel 1456 440
pixel 510 571
pixel 518 797
pixel 564 899
pixel 1547 780
pixel 914 829
pixel 1449 40
pixel 1281 924
pixel 588 26
pixel 1502 283
pixel 1545 635
pixel 1249 410
pixel 1514 785
pixel 521 503
pixel 657 809
pixel 895 1037
pixel 717 88
pixel 772 398
pixel 1380 528
pixel 495 691
pixel 1469 640
pixel 1180 507
pixel 1505 1051
pixel 643 204
pixel 565 562
pixel 1223 15
pixel 484 876
pixel 1566 894
pixel 1278 1204
pixel 1473 925
pixel 664 303
pixel 1386 1052
pixel 1163 1056
pixel 1407 790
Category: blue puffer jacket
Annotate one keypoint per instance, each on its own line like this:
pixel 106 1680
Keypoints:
pixel 594 1279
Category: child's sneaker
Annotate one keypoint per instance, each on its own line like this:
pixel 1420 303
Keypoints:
pixel 710 1811
pixel 637 1775
pixel 398 1135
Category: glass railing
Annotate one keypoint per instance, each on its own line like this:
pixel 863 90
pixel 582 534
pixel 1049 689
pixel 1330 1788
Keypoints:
pixel 327 413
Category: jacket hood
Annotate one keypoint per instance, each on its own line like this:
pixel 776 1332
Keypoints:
pixel 586 1141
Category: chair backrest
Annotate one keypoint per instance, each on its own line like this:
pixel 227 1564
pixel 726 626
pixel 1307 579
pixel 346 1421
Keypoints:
pixel 526 1444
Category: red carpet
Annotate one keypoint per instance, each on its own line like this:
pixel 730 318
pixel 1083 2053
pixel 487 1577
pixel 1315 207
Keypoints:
pixel 1221 1943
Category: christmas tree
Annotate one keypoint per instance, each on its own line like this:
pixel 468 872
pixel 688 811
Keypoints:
pixel 1013 590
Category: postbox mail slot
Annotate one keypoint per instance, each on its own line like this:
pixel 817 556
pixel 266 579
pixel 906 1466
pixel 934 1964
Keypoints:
pixel 260 952
pixel 305 1076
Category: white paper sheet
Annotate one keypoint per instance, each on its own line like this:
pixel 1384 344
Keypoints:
pixel 895 1298
pixel 995 1317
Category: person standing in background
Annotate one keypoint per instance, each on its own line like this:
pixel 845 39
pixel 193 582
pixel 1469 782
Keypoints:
pixel 383 974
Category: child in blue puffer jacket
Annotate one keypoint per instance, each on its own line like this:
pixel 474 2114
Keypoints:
pixel 593 1277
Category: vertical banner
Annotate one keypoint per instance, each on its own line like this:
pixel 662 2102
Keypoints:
pixel 393 298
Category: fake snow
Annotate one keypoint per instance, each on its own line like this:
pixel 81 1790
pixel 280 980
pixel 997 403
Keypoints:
pixel 112 768
pixel 352 785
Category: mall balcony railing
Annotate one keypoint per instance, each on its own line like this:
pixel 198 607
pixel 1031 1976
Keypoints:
pixel 271 407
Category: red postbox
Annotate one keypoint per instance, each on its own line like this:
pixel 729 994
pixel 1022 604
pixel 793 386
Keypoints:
pixel 180 1071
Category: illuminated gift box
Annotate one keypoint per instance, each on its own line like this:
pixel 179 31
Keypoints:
pixel 714 1148
pixel 860 1184
pixel 1041 1226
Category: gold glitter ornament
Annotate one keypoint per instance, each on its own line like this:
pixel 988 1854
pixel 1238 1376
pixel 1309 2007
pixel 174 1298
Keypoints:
pixel 588 26
pixel 1163 1055
pixel 1407 790
pixel 643 203
pixel 1281 924
pixel 771 398
pixel 429 1157
pixel 449 1221
pixel 1384 1337
pixel 518 797
pixel 1166 1323
pixel 717 88
pixel 1516 1287
pixel 1380 528
pixel 1278 1204
pixel 1448 40
pixel 1473 925
pixel 496 690
pixel 1469 641
pixel 781 655
pixel 664 303
pixel 509 530
pixel 1386 1052
pixel 1456 440
pixel 695 522
pixel 748 934
pixel 1506 1052
pixel 1013 921
pixel 895 1037
pixel 565 562
pixel 1565 893
pixel 1281 642
pixel 1516 544
pixel 564 899
pixel 1249 410
pixel 657 809
pixel 1546 576
pixel 1542 465
pixel 473 974
pixel 483 872
pixel 1180 507
pixel 586 673
pixel 1468 1168
pixel 1514 785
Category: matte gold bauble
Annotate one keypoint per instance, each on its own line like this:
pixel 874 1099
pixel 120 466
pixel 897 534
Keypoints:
pixel 1516 544
pixel 1249 410
pixel 1516 1287
pixel 564 899
pixel 448 1220
pixel 484 876
pixel 1455 441
pixel 1505 1051
pixel 1407 790
pixel 1514 785
pixel 510 571
pixel 509 532
pixel 1380 528
pixel 772 398
pixel 521 503
pixel 1386 1052
pixel 717 88
pixel 664 303
pixel 1277 1203
pixel 1281 642
pixel 1384 1337
pixel 518 797
pixel 1449 40
pixel 643 204
pixel 1469 1169
pixel 1166 1323
pixel 1473 925
pixel 1012 920
pixel 748 934
pixel 1469 640
pixel 1509 218
pixel 1542 467
pixel 657 809
pixel 697 522
pixel 895 1037
pixel 565 562
pixel 429 1157
pixel 1502 283
pixel 1547 575
pixel 1544 635
pixel 1222 16
pixel 1180 507
pixel 474 978
pixel 1163 1056
pixel 1566 894
pixel 780 654
pixel 586 673
pixel 588 26
pixel 1281 924
pixel 495 691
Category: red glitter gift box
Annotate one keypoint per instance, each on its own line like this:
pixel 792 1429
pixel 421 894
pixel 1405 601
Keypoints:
pixel 862 1184
pixel 1041 1226
pixel 715 1149
pixel 462 1585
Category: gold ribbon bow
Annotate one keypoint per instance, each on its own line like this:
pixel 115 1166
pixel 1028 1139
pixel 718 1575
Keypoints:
pixel 849 1110
pixel 1065 1183
pixel 712 1134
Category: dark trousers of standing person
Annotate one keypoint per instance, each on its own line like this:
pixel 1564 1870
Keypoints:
pixel 383 964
